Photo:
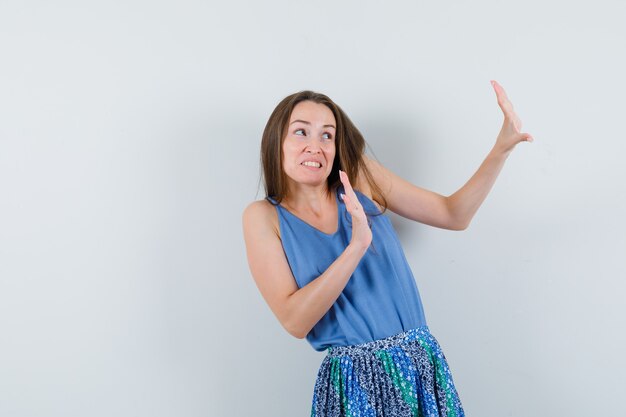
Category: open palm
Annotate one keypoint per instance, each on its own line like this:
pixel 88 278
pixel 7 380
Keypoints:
pixel 510 134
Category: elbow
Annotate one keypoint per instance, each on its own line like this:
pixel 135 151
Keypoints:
pixel 295 330
pixel 297 333
pixel 459 225
pixel 462 226
pixel 293 323
pixel 455 220
pixel 454 225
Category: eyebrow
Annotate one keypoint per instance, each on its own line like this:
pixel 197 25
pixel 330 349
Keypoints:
pixel 308 123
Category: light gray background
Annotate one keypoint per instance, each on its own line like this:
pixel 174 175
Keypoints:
pixel 129 146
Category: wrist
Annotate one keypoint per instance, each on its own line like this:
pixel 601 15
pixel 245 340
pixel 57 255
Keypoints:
pixel 356 248
pixel 499 152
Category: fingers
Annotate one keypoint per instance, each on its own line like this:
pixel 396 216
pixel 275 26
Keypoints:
pixel 350 198
pixel 346 183
pixel 500 93
pixel 503 100
pixel 361 227
pixel 499 89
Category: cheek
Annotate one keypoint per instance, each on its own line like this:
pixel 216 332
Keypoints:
pixel 290 156
pixel 290 145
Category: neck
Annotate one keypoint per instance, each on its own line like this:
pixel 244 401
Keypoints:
pixel 305 198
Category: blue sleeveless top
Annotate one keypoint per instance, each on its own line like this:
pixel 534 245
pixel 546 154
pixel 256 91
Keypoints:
pixel 381 298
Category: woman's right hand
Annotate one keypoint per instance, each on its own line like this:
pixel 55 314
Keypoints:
pixel 361 232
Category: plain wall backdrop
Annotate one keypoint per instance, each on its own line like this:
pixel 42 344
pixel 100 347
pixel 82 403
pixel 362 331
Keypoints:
pixel 129 147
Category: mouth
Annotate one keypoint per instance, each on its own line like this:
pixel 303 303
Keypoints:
pixel 311 164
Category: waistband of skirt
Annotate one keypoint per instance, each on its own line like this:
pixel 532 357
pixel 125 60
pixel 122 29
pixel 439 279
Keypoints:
pixel 421 332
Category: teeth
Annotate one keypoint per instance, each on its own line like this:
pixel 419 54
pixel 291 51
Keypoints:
pixel 312 164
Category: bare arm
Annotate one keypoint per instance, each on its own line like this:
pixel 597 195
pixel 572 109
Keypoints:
pixel 456 211
pixel 298 310
pixel 464 203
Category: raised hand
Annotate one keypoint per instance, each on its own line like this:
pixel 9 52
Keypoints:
pixel 510 134
pixel 361 232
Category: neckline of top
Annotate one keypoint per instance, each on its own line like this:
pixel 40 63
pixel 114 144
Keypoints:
pixel 336 192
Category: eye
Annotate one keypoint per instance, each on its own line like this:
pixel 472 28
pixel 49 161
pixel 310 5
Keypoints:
pixel 329 135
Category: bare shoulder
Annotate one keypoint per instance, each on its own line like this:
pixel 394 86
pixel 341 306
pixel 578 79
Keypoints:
pixel 260 215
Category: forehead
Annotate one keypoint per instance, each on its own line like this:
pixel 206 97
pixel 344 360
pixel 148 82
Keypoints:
pixel 312 112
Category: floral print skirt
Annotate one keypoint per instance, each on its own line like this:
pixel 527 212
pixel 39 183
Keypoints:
pixel 399 376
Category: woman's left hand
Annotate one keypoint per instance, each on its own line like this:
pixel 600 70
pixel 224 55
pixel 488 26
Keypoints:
pixel 510 134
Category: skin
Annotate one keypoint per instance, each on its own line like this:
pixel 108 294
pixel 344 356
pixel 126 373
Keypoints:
pixel 299 309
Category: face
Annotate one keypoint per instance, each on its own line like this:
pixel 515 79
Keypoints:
pixel 309 144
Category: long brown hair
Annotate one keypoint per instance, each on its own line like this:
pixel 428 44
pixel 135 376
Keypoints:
pixel 349 149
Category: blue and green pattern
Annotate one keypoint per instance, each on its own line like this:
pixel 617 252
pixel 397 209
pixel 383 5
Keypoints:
pixel 399 376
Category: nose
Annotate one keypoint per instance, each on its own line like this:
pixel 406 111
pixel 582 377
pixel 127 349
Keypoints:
pixel 313 148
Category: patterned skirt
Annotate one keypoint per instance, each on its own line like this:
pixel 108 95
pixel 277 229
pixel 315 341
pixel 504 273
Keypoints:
pixel 399 376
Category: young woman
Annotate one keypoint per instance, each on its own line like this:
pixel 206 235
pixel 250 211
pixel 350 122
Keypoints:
pixel 330 265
